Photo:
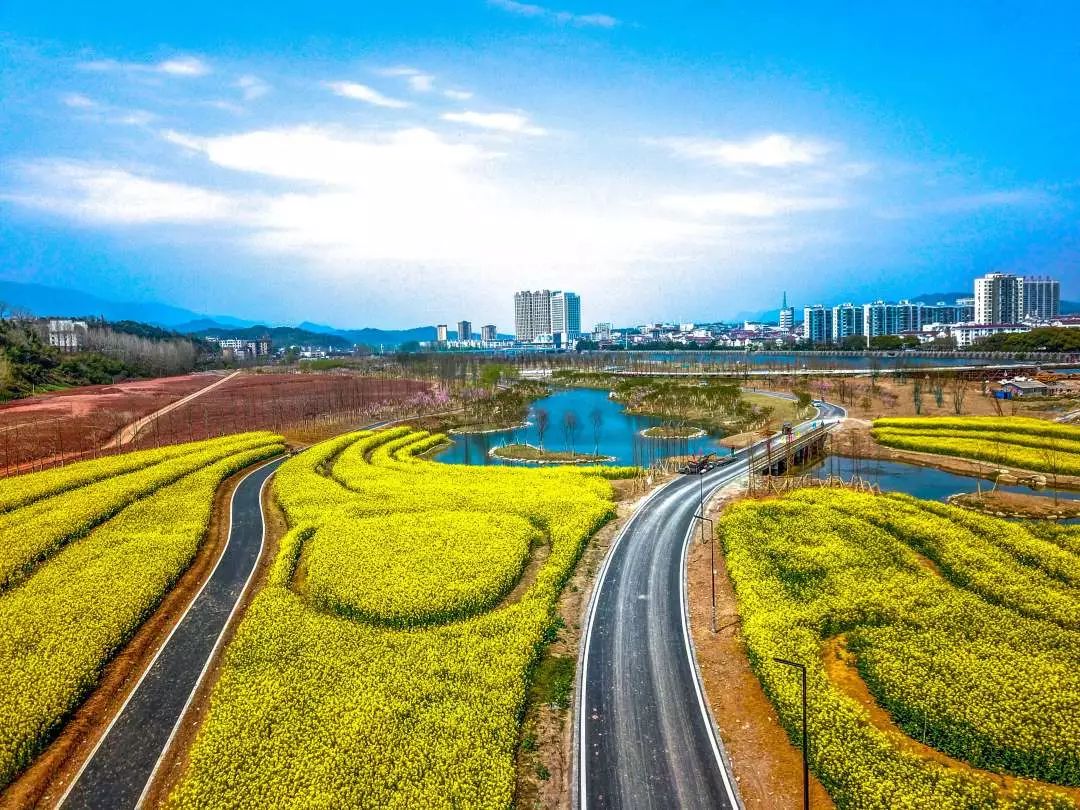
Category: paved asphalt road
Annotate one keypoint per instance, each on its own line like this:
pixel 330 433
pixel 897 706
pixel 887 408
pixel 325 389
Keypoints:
pixel 644 739
pixel 121 766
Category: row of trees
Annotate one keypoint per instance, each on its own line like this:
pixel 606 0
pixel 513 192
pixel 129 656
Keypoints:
pixel 571 426
pixel 146 356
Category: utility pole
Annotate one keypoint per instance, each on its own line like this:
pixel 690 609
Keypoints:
pixel 805 750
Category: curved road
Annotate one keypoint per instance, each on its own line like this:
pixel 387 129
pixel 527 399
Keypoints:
pixel 643 735
pixel 121 765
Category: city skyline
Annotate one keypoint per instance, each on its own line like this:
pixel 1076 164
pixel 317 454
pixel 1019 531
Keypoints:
pixel 393 165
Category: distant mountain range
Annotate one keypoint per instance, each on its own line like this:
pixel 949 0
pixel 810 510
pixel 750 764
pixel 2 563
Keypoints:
pixel 45 301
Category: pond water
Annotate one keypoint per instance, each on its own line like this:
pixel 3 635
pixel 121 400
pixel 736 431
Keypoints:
pixel 912 479
pixel 618 434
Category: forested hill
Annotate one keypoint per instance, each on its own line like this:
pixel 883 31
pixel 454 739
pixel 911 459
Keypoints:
pixel 113 352
pixel 280 336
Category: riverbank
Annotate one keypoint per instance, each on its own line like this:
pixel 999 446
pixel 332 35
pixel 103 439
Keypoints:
pixel 1016 505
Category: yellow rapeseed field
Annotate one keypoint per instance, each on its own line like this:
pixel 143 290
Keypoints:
pixel 1030 444
pixel 964 627
pixel 64 621
pixel 386 663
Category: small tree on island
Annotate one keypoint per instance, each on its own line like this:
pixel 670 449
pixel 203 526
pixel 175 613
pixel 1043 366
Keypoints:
pixel 543 419
pixel 596 416
pixel 570 428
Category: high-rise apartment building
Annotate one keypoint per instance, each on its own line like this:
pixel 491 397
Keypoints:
pixel 441 334
pixel 817 325
pixel 879 318
pixel 909 316
pixel 532 314
pixel 999 298
pixel 963 311
pixel 1042 298
pixel 847 320
pixel 488 333
pixel 787 316
pixel 566 315
pixel 464 330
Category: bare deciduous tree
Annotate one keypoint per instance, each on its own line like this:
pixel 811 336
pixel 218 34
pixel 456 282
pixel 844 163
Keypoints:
pixel 959 388
pixel 596 417
pixel 570 428
pixel 543 419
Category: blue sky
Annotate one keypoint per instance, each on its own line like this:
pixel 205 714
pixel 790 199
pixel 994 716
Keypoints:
pixel 393 164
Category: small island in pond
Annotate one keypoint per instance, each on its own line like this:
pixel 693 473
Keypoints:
pixel 536 455
pixel 673 432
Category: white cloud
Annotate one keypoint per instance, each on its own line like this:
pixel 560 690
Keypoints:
pixel 418 80
pixel 331 157
pixel 501 122
pixel 177 66
pixel 361 92
pixel 184 66
pixel 754 204
pixel 971 203
pixel 136 118
pixel 252 87
pixel 338 199
pixel 106 194
pixel 223 105
pixel 564 17
pixel 78 101
pixel 458 95
pixel 769 151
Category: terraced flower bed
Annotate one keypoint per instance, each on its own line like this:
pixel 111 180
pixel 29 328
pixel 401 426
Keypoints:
pixel 87 552
pixel 386 664
pixel 1030 444
pixel 964 628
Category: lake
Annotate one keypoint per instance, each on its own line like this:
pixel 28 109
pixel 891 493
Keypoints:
pixel 618 434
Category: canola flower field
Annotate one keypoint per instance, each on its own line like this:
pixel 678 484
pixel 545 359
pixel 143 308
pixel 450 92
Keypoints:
pixel 1030 444
pixel 386 663
pixel 88 552
pixel 965 628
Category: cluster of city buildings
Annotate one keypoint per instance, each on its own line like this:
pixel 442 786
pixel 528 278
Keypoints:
pixel 543 319
pixel 1002 303
pixel 465 338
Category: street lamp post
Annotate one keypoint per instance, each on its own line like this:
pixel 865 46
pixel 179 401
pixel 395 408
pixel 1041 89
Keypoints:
pixel 805 750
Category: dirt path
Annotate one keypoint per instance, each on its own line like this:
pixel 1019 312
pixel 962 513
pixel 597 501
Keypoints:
pixel 127 434
pixel 844 674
